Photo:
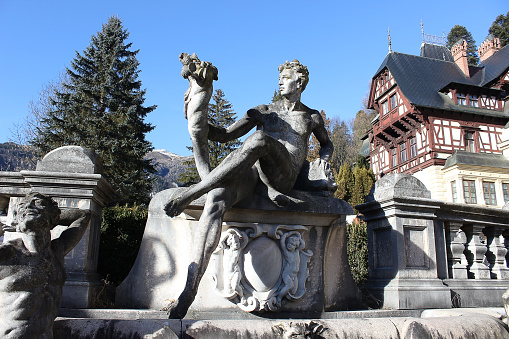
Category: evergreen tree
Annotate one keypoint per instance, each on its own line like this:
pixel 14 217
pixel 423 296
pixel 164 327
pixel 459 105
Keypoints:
pixel 101 107
pixel 220 114
pixel 500 29
pixel 314 145
pixel 277 95
pixel 459 32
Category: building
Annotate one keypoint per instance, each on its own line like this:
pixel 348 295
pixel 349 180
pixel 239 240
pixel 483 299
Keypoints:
pixel 443 121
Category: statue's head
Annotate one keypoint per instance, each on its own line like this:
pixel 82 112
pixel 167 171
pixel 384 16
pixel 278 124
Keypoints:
pixel 297 70
pixel 292 242
pixel 36 211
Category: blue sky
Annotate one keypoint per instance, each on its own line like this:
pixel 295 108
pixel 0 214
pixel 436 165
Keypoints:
pixel 342 43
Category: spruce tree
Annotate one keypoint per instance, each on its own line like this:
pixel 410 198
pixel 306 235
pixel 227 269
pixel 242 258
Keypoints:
pixel 459 32
pixel 221 114
pixel 500 29
pixel 101 108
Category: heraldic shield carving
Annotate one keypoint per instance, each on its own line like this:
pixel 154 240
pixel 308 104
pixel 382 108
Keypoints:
pixel 258 265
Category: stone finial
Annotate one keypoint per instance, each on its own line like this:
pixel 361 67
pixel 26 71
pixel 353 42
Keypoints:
pixel 489 47
pixel 71 159
pixel 398 185
pixel 459 54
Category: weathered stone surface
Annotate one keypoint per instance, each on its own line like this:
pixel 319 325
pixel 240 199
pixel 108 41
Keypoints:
pixel 159 272
pixel 65 328
pixel 398 185
pixel 71 159
pixel 32 271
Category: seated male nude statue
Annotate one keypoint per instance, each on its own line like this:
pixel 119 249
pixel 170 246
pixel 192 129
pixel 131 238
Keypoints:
pixel 32 270
pixel 272 157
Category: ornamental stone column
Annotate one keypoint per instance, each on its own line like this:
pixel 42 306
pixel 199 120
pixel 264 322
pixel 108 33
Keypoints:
pixel 456 240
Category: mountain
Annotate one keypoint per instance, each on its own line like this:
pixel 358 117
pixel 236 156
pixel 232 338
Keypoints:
pixel 15 158
pixel 169 166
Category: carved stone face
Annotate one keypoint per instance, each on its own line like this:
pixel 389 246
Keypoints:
pixel 233 241
pixel 289 82
pixel 32 215
pixel 292 243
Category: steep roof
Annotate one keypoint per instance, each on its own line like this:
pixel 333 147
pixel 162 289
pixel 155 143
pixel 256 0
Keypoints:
pixel 477 159
pixel 438 52
pixel 495 65
pixel 421 79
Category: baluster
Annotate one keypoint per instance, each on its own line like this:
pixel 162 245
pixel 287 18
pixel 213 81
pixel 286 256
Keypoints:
pixel 505 234
pixel 496 252
pixel 456 240
pixel 476 249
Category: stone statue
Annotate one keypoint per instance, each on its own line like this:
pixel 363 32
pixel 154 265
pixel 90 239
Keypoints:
pixel 291 243
pixel 231 268
pixel 32 270
pixel 200 74
pixel 270 159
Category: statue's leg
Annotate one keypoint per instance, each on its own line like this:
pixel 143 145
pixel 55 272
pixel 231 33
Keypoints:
pixel 273 156
pixel 207 237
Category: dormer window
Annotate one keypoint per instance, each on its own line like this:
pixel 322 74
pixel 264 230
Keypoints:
pixel 474 100
pixel 469 142
pixel 462 98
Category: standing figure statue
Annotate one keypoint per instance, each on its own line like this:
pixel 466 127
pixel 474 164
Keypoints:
pixel 32 271
pixel 231 267
pixel 271 157
pixel 291 244
pixel 200 74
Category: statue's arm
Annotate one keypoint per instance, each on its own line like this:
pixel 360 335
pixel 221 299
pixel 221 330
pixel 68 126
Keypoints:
pixel 320 132
pixel 236 130
pixel 77 220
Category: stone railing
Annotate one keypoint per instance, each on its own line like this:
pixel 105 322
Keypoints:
pixel 426 253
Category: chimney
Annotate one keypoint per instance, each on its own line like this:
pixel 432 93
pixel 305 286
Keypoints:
pixel 459 54
pixel 489 47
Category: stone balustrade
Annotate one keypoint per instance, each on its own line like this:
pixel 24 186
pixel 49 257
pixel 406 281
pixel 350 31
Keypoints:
pixel 429 253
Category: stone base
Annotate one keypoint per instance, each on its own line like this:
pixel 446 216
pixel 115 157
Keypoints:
pixel 148 324
pixel 476 293
pixel 324 278
pixel 410 293
pixel 80 290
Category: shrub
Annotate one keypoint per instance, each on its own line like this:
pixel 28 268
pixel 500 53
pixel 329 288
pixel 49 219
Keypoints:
pixel 121 233
pixel 357 250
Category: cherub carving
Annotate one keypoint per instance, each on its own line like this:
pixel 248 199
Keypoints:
pixel 232 243
pixel 291 245
pixel 200 74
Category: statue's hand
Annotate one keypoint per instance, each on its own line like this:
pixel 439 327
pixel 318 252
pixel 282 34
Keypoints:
pixel 326 173
pixel 6 228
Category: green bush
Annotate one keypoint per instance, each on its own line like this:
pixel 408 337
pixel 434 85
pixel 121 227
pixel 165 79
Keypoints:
pixel 357 250
pixel 121 233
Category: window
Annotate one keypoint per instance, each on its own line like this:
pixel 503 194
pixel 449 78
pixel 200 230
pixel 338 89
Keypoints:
pixel 394 157
pixel 413 147
pixel 469 191
pixel 469 142
pixel 490 197
pixel 474 100
pixel 402 152
pixel 393 101
pixel 454 191
pixel 505 190
pixel 462 98
pixel 385 107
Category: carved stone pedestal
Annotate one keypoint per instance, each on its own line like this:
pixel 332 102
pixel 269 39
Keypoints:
pixel 269 259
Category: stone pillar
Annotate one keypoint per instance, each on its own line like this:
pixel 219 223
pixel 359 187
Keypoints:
pixel 456 240
pixel 402 250
pixel 476 249
pixel 497 252
pixel 71 176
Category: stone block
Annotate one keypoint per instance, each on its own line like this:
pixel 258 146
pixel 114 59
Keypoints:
pixel 325 282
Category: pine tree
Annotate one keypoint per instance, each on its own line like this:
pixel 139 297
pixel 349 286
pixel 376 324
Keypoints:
pixel 101 108
pixel 220 114
pixel 459 32
pixel 500 29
